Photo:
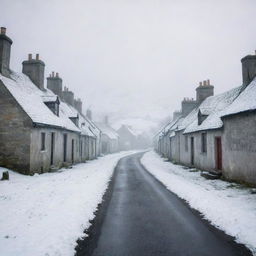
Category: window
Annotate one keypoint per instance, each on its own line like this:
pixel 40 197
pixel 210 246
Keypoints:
pixel 204 142
pixel 42 141
pixel 186 143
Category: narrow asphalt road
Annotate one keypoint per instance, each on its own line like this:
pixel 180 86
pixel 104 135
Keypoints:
pixel 143 218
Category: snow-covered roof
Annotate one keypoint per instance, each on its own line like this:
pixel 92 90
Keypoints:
pixel 31 99
pixel 213 108
pixel 107 130
pixel 93 127
pixel 246 101
pixel 50 98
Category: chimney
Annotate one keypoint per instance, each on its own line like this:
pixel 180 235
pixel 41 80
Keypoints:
pixel 176 114
pixel 78 105
pixel 248 68
pixel 68 96
pixel 89 114
pixel 187 105
pixel 54 83
pixel 204 91
pixel 106 120
pixel 34 69
pixel 5 52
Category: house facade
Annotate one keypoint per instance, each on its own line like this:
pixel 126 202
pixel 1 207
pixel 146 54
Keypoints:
pixel 218 134
pixel 41 128
pixel 109 138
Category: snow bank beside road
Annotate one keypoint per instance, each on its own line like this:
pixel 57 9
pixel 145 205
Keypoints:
pixel 46 214
pixel 227 206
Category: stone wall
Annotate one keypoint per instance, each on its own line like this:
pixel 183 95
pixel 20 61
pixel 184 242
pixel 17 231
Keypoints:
pixel 15 129
pixel 41 159
pixel 239 147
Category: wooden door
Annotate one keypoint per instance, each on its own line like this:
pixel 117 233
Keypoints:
pixel 218 150
pixel 52 146
pixel 65 138
pixel 72 150
pixel 192 150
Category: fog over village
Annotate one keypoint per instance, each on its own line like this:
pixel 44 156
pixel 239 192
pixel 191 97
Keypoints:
pixel 127 127
pixel 134 60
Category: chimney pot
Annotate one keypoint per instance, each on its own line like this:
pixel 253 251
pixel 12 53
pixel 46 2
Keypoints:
pixel 52 73
pixel 29 56
pixel 200 84
pixel 204 82
pixel 57 74
pixel 3 30
pixel 37 56
pixel 208 82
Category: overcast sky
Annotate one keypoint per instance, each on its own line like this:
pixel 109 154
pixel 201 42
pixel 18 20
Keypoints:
pixel 134 60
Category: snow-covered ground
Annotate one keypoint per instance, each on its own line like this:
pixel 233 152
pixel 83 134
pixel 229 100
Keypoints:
pixel 45 214
pixel 228 206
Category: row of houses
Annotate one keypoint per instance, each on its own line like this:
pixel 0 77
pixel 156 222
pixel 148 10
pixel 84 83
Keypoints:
pixel 216 133
pixel 41 127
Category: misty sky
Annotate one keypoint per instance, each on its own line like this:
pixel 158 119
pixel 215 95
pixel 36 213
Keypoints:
pixel 134 60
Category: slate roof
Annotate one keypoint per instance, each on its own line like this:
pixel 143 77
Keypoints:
pixel 107 130
pixel 213 107
pixel 31 100
pixel 246 101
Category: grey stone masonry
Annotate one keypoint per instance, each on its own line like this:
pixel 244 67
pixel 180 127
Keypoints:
pixel 248 68
pixel 187 105
pixel 5 52
pixel 68 96
pixel 54 83
pixel 34 69
pixel 89 114
pixel 15 131
pixel 78 105
pixel 203 91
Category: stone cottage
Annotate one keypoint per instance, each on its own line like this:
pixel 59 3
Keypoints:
pixel 38 130
pixel 109 138
pixel 218 134
pixel 127 138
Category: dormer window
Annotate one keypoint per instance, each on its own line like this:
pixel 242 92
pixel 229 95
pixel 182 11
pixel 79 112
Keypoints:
pixel 53 103
pixel 75 120
pixel 201 117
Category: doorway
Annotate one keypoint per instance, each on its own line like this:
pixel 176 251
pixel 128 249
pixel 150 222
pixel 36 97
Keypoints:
pixel 192 150
pixel 218 154
pixel 72 150
pixel 52 146
pixel 65 138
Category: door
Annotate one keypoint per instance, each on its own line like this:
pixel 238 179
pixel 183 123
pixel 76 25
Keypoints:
pixel 218 150
pixel 65 138
pixel 72 150
pixel 192 150
pixel 52 146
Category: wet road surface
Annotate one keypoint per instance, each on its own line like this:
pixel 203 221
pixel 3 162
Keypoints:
pixel 143 218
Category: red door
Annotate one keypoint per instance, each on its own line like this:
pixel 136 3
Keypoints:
pixel 218 150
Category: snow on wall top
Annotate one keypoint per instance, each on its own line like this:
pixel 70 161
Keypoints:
pixel 213 108
pixel 109 131
pixel 246 101
pixel 30 98
pixel 50 98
